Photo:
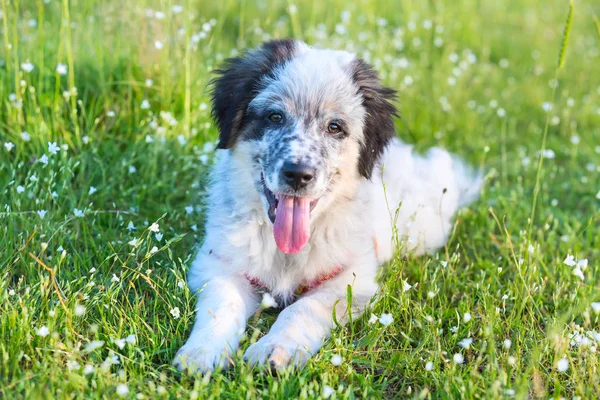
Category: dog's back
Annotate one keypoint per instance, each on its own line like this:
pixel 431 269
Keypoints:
pixel 419 195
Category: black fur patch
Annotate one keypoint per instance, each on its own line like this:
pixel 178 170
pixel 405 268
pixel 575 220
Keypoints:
pixel 379 126
pixel 237 85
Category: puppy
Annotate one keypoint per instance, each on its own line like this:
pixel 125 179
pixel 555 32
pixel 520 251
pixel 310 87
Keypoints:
pixel 307 195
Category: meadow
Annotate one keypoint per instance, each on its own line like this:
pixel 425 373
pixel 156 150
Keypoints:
pixel 106 140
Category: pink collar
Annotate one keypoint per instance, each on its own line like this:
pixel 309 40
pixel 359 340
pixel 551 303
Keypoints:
pixel 304 287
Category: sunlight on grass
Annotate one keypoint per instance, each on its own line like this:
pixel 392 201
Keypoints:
pixel 106 140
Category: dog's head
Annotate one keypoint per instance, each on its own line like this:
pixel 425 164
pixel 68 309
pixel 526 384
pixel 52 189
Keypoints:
pixel 311 124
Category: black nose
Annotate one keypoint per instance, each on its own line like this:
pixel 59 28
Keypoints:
pixel 298 175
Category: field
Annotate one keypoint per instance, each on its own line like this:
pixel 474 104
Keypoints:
pixel 105 129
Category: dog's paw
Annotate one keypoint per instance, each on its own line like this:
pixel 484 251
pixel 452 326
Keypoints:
pixel 279 353
pixel 202 358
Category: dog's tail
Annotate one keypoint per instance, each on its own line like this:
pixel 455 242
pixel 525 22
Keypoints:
pixel 426 190
pixel 469 181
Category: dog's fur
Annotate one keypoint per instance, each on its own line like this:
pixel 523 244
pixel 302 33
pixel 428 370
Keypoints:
pixel 366 182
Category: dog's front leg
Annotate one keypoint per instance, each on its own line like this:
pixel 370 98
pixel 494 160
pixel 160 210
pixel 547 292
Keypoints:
pixel 224 305
pixel 300 329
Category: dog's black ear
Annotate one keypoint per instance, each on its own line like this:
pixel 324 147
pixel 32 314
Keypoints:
pixel 379 122
pixel 238 82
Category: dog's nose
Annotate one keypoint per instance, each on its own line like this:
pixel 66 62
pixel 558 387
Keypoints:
pixel 297 175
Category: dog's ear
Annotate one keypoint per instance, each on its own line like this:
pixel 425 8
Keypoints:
pixel 238 82
pixel 379 126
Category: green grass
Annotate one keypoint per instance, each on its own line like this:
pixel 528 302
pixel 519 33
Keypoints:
pixel 478 74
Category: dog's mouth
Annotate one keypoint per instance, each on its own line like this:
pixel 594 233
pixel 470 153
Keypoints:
pixel 290 216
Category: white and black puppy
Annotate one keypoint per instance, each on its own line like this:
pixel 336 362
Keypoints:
pixel 307 192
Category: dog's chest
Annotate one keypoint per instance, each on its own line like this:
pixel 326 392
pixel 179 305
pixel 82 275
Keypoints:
pixel 328 250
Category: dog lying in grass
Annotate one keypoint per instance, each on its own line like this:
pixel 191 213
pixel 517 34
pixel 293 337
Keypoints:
pixel 305 198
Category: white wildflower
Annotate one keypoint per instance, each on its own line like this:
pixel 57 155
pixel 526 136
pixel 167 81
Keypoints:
pixel 53 148
pixel 42 331
pixel 61 69
pixel 570 260
pixel 73 365
pixel 208 147
pixel 93 345
pixel 328 391
pixel 546 106
pixel 154 227
pixel 119 342
pixel 175 312
pixel 122 390
pixel 386 319
pixel 337 360
pixel 79 310
pixel 575 139
pixel 465 343
pixel 562 365
pixel 268 301
pixel 27 67
pixel 88 369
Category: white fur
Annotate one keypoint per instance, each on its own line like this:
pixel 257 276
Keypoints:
pixel 345 228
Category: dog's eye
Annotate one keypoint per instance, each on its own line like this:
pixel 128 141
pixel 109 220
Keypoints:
pixel 334 128
pixel 276 117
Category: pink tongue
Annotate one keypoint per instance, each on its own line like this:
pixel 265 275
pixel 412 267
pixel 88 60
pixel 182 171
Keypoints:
pixel 292 223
